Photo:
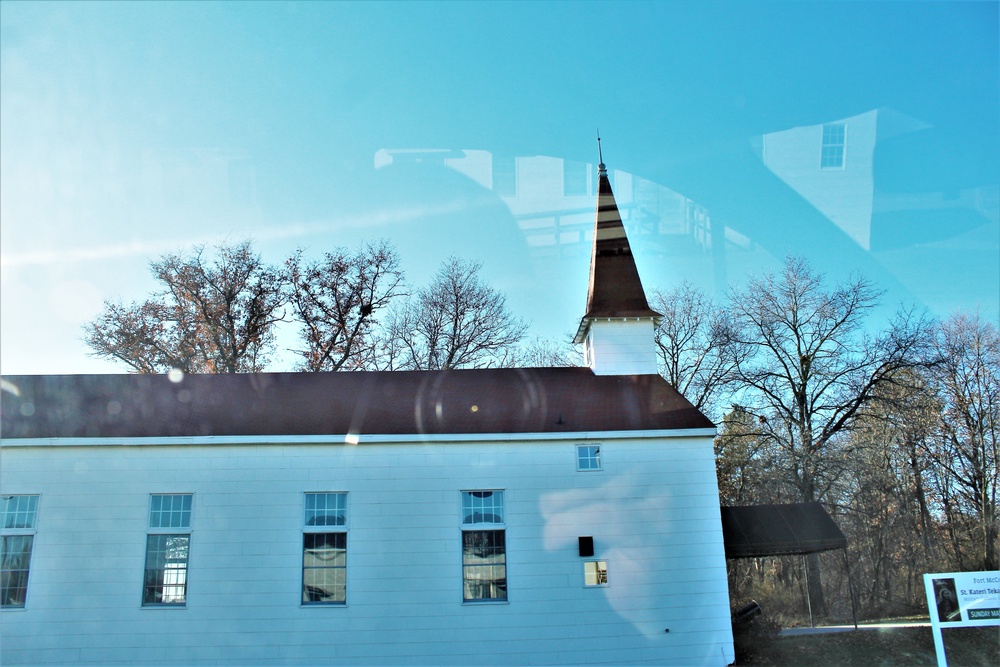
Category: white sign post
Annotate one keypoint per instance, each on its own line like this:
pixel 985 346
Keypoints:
pixel 961 600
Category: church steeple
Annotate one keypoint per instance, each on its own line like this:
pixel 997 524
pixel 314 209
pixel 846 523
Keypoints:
pixel 617 329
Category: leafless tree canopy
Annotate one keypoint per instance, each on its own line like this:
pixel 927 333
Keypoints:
pixel 696 346
pixel 814 371
pixel 211 317
pixel 458 321
pixel 338 299
pixel 967 451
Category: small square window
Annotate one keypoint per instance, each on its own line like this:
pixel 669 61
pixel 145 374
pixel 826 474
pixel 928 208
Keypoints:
pixel 588 457
pixel 595 573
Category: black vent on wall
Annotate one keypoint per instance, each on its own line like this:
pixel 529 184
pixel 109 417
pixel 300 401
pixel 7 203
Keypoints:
pixel 586 546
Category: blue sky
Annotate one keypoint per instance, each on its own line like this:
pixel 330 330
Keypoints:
pixel 133 129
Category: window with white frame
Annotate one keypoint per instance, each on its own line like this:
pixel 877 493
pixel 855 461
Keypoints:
pixel 595 573
pixel 505 176
pixel 17 537
pixel 588 457
pixel 575 178
pixel 167 545
pixel 484 546
pixel 324 549
pixel 834 146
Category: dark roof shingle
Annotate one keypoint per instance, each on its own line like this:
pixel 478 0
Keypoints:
pixel 486 401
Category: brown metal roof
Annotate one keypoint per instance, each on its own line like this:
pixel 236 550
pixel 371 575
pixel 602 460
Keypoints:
pixel 615 288
pixel 779 530
pixel 486 401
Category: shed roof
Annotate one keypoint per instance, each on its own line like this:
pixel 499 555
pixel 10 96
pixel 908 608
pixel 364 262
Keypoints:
pixel 483 401
pixel 779 530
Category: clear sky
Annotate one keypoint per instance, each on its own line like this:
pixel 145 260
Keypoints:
pixel 131 129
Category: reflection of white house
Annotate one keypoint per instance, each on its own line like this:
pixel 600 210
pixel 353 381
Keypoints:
pixel 834 166
pixel 491 516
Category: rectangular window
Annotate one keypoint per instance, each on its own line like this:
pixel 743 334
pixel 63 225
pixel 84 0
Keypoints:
pixel 167 549
pixel 588 457
pixel 575 178
pixel 505 176
pixel 484 551
pixel 595 573
pixel 834 144
pixel 324 552
pixel 16 542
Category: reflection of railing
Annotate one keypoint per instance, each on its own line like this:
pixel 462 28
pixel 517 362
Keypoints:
pixel 567 232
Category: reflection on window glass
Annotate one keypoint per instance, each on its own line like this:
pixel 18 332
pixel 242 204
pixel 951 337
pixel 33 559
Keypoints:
pixel 324 568
pixel 166 569
pixel 505 176
pixel 484 565
pixel 170 511
pixel 595 573
pixel 326 509
pixel 18 516
pixel 575 176
pixel 15 560
pixel 482 507
pixel 324 554
pixel 834 140
pixel 588 457
pixel 19 511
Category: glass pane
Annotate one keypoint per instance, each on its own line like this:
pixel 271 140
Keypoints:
pixel 324 568
pixel 575 178
pixel 19 511
pixel 588 457
pixel 482 507
pixel 166 569
pixel 326 509
pixel 484 565
pixel 595 573
pixel 15 559
pixel 170 511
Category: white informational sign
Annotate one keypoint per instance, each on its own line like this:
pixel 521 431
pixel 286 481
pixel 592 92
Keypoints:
pixel 961 600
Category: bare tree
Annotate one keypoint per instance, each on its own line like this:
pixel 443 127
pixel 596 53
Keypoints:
pixel 696 348
pixel 211 317
pixel 458 321
pixel 814 371
pixel 547 353
pixel 337 299
pixel 967 382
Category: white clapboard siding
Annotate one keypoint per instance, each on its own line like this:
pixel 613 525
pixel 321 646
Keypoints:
pixel 653 511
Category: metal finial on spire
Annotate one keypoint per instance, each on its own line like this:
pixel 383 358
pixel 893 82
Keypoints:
pixel 601 169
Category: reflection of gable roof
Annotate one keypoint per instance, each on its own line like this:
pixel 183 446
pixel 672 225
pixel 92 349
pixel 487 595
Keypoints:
pixel 483 401
pixel 778 530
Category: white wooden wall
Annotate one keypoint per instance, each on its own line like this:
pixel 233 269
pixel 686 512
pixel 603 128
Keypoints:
pixel 653 512
pixel 621 347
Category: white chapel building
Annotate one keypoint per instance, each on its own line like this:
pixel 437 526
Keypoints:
pixel 535 516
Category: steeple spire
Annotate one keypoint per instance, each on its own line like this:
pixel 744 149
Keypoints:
pixel 615 296
pixel 601 169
